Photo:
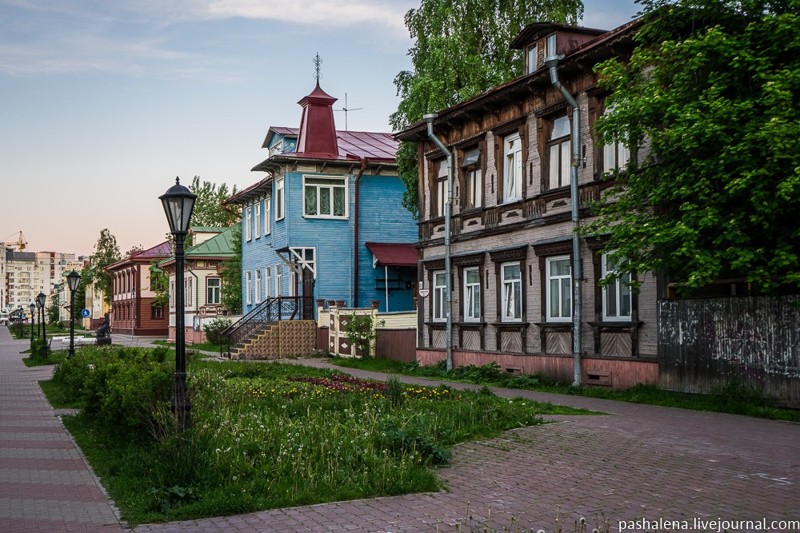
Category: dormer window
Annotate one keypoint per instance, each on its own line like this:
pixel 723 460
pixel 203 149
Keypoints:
pixel 533 58
pixel 550 48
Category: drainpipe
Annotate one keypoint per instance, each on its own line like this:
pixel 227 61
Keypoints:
pixel 361 170
pixel 448 206
pixel 552 65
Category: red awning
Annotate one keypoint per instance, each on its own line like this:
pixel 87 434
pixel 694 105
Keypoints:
pixel 394 254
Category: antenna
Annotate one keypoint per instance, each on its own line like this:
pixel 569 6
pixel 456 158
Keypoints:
pixel 346 110
pixel 317 64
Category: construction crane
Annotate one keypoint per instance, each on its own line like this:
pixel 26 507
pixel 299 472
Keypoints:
pixel 20 243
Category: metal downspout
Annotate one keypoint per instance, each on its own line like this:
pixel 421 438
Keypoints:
pixel 552 65
pixel 448 208
pixel 364 162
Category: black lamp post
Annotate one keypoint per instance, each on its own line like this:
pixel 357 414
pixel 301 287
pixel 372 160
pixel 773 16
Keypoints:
pixel 40 299
pixel 178 204
pixel 33 308
pixel 73 278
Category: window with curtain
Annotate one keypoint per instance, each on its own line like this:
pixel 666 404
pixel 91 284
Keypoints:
pixel 511 283
pixel 439 297
pixel 616 154
pixel 559 153
pixel 279 199
pixel 325 197
pixel 512 168
pixel 616 294
pixel 558 289
pixel 258 286
pixel 472 294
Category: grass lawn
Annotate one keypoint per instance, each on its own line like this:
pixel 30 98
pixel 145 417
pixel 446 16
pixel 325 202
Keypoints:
pixel 735 399
pixel 264 436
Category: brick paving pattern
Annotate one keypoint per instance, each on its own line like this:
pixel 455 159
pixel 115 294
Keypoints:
pixel 45 484
pixel 633 462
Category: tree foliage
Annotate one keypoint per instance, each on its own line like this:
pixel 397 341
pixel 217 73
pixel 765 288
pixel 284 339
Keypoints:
pixel 208 208
pixel 711 95
pixel 461 49
pixel 231 274
pixel 106 252
pixel 159 284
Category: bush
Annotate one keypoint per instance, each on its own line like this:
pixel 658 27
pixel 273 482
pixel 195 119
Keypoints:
pixel 19 330
pixel 215 330
pixel 360 333
pixel 125 390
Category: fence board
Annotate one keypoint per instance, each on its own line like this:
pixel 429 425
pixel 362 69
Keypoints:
pixel 706 343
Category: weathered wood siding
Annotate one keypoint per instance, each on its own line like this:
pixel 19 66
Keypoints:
pixel 707 343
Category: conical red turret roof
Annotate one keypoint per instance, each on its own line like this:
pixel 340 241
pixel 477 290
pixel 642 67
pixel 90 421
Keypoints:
pixel 317 135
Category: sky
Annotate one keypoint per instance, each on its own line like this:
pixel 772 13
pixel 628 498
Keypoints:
pixel 104 102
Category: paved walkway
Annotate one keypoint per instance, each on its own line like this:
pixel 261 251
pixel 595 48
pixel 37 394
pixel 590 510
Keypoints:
pixel 635 463
pixel 45 484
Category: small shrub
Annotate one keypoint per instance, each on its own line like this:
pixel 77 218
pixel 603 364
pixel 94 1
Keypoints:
pixel 360 333
pixel 215 330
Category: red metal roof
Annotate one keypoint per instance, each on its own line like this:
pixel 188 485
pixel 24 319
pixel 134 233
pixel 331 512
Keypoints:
pixel 394 254
pixel 372 145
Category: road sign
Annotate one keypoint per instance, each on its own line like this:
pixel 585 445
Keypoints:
pixel 85 313
pixel 424 292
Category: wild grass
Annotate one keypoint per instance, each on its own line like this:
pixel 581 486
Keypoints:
pixel 267 435
pixel 734 398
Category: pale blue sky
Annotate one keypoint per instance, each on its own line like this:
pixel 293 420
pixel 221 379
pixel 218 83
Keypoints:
pixel 104 102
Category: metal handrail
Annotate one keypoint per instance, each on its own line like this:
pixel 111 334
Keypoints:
pixel 269 312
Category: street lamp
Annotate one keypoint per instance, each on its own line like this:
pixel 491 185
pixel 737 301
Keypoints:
pixel 40 299
pixel 33 308
pixel 178 204
pixel 73 278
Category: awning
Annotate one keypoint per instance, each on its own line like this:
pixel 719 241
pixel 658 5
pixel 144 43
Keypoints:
pixel 394 254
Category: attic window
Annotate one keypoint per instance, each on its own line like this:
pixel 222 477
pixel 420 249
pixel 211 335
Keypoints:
pixel 533 58
pixel 550 48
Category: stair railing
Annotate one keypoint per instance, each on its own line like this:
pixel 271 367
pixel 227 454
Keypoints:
pixel 268 312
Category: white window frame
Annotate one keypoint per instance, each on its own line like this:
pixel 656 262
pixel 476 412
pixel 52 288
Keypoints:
pixel 248 221
pixel 512 168
pixel 267 214
pixel 278 280
pixel 472 295
pixel 474 183
pixel 619 290
pixel 248 287
pixel 564 286
pixel 550 46
pixel 559 154
pixel 439 299
pixel 292 282
pixel 213 291
pixel 616 154
pixel 257 219
pixel 267 282
pixel 188 291
pixel 512 294
pixel 342 183
pixel 280 199
pixel 533 58
pixel 441 187
pixel 257 284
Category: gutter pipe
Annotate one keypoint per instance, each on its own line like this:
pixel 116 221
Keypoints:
pixel 448 208
pixel 361 170
pixel 552 65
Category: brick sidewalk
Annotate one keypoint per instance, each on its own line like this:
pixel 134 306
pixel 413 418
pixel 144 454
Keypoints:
pixel 45 485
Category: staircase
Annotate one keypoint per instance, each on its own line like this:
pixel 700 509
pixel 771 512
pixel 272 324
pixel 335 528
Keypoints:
pixel 278 327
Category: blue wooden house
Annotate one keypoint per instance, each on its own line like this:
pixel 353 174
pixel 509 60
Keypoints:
pixel 326 223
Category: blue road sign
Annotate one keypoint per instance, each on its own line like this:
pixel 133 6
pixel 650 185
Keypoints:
pixel 85 313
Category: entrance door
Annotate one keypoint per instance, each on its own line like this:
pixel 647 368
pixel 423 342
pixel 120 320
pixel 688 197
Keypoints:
pixel 308 294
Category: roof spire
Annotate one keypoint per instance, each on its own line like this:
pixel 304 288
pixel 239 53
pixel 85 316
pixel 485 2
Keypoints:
pixel 317 65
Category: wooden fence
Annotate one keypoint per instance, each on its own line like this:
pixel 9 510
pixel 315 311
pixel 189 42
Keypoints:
pixel 706 343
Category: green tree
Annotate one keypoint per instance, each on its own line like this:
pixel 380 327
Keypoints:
pixel 106 252
pixel 461 49
pixel 159 284
pixel 711 94
pixel 231 274
pixel 208 208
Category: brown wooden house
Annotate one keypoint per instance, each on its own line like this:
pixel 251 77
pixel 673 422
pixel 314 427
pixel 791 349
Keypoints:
pixel 511 228
pixel 132 301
